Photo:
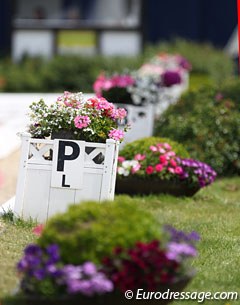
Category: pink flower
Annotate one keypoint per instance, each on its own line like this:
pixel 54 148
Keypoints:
pixel 139 157
pixel 135 168
pixel 178 170
pixel 149 170
pixel 98 84
pixel 167 146
pixel 171 154
pixel 81 121
pixel 159 167
pixel 122 81
pixel 153 148
pixel 171 170
pixel 38 230
pixel 120 113
pixel 116 134
pixel 163 159
pixel 162 150
pixel 103 104
pixel 121 159
pixel 173 163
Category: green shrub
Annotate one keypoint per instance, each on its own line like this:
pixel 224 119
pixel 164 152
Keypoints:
pixel 90 231
pixel 207 122
pixel 142 147
pixel 205 59
pixel 71 73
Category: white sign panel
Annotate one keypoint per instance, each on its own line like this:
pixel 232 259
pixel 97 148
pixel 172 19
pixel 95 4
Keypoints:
pixel 68 163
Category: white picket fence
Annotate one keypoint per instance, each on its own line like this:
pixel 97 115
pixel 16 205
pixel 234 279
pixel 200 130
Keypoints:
pixel 37 199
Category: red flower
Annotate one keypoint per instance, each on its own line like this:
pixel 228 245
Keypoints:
pixel 145 265
pixel 149 170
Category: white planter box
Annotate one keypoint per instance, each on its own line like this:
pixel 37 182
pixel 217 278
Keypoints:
pixel 38 199
pixel 141 119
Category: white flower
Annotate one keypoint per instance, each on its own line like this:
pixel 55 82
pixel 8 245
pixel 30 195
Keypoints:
pixel 123 171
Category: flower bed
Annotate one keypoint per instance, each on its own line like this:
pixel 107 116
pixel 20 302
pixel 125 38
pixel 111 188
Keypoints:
pixel 160 170
pixel 110 262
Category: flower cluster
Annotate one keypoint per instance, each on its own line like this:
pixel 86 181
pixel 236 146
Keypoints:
pixel 161 161
pixel 167 70
pixel 104 83
pixel 43 273
pixel 149 265
pixel 127 89
pixel 93 120
pixel 171 61
pixel 206 175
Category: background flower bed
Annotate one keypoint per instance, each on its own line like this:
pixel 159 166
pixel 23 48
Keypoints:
pixel 218 261
pixel 73 73
pixel 207 123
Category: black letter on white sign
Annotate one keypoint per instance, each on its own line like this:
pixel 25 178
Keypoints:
pixel 62 156
pixel 63 182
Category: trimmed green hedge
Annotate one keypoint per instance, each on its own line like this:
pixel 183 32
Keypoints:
pixel 91 230
pixel 207 123
pixel 71 73
pixel 142 147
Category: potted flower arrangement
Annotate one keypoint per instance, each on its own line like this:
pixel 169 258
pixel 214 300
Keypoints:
pixel 92 124
pixel 161 170
pixel 94 253
pixel 73 117
pixel 136 94
pixel 171 73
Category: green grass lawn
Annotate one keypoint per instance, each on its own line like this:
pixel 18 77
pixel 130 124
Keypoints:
pixel 214 212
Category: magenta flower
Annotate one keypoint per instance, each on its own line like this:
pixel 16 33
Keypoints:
pixel 116 134
pixel 159 167
pixel 121 159
pixel 178 170
pixel 81 121
pixel 149 170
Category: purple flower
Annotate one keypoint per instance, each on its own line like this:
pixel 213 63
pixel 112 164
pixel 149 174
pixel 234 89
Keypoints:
pixel 177 251
pixel 170 78
pixel 72 272
pixel 89 268
pixel 53 252
pixel 180 236
pixel 184 63
pixel 33 249
pixel 204 173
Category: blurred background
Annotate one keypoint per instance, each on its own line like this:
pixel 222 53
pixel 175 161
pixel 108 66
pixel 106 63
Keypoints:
pixel 110 27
